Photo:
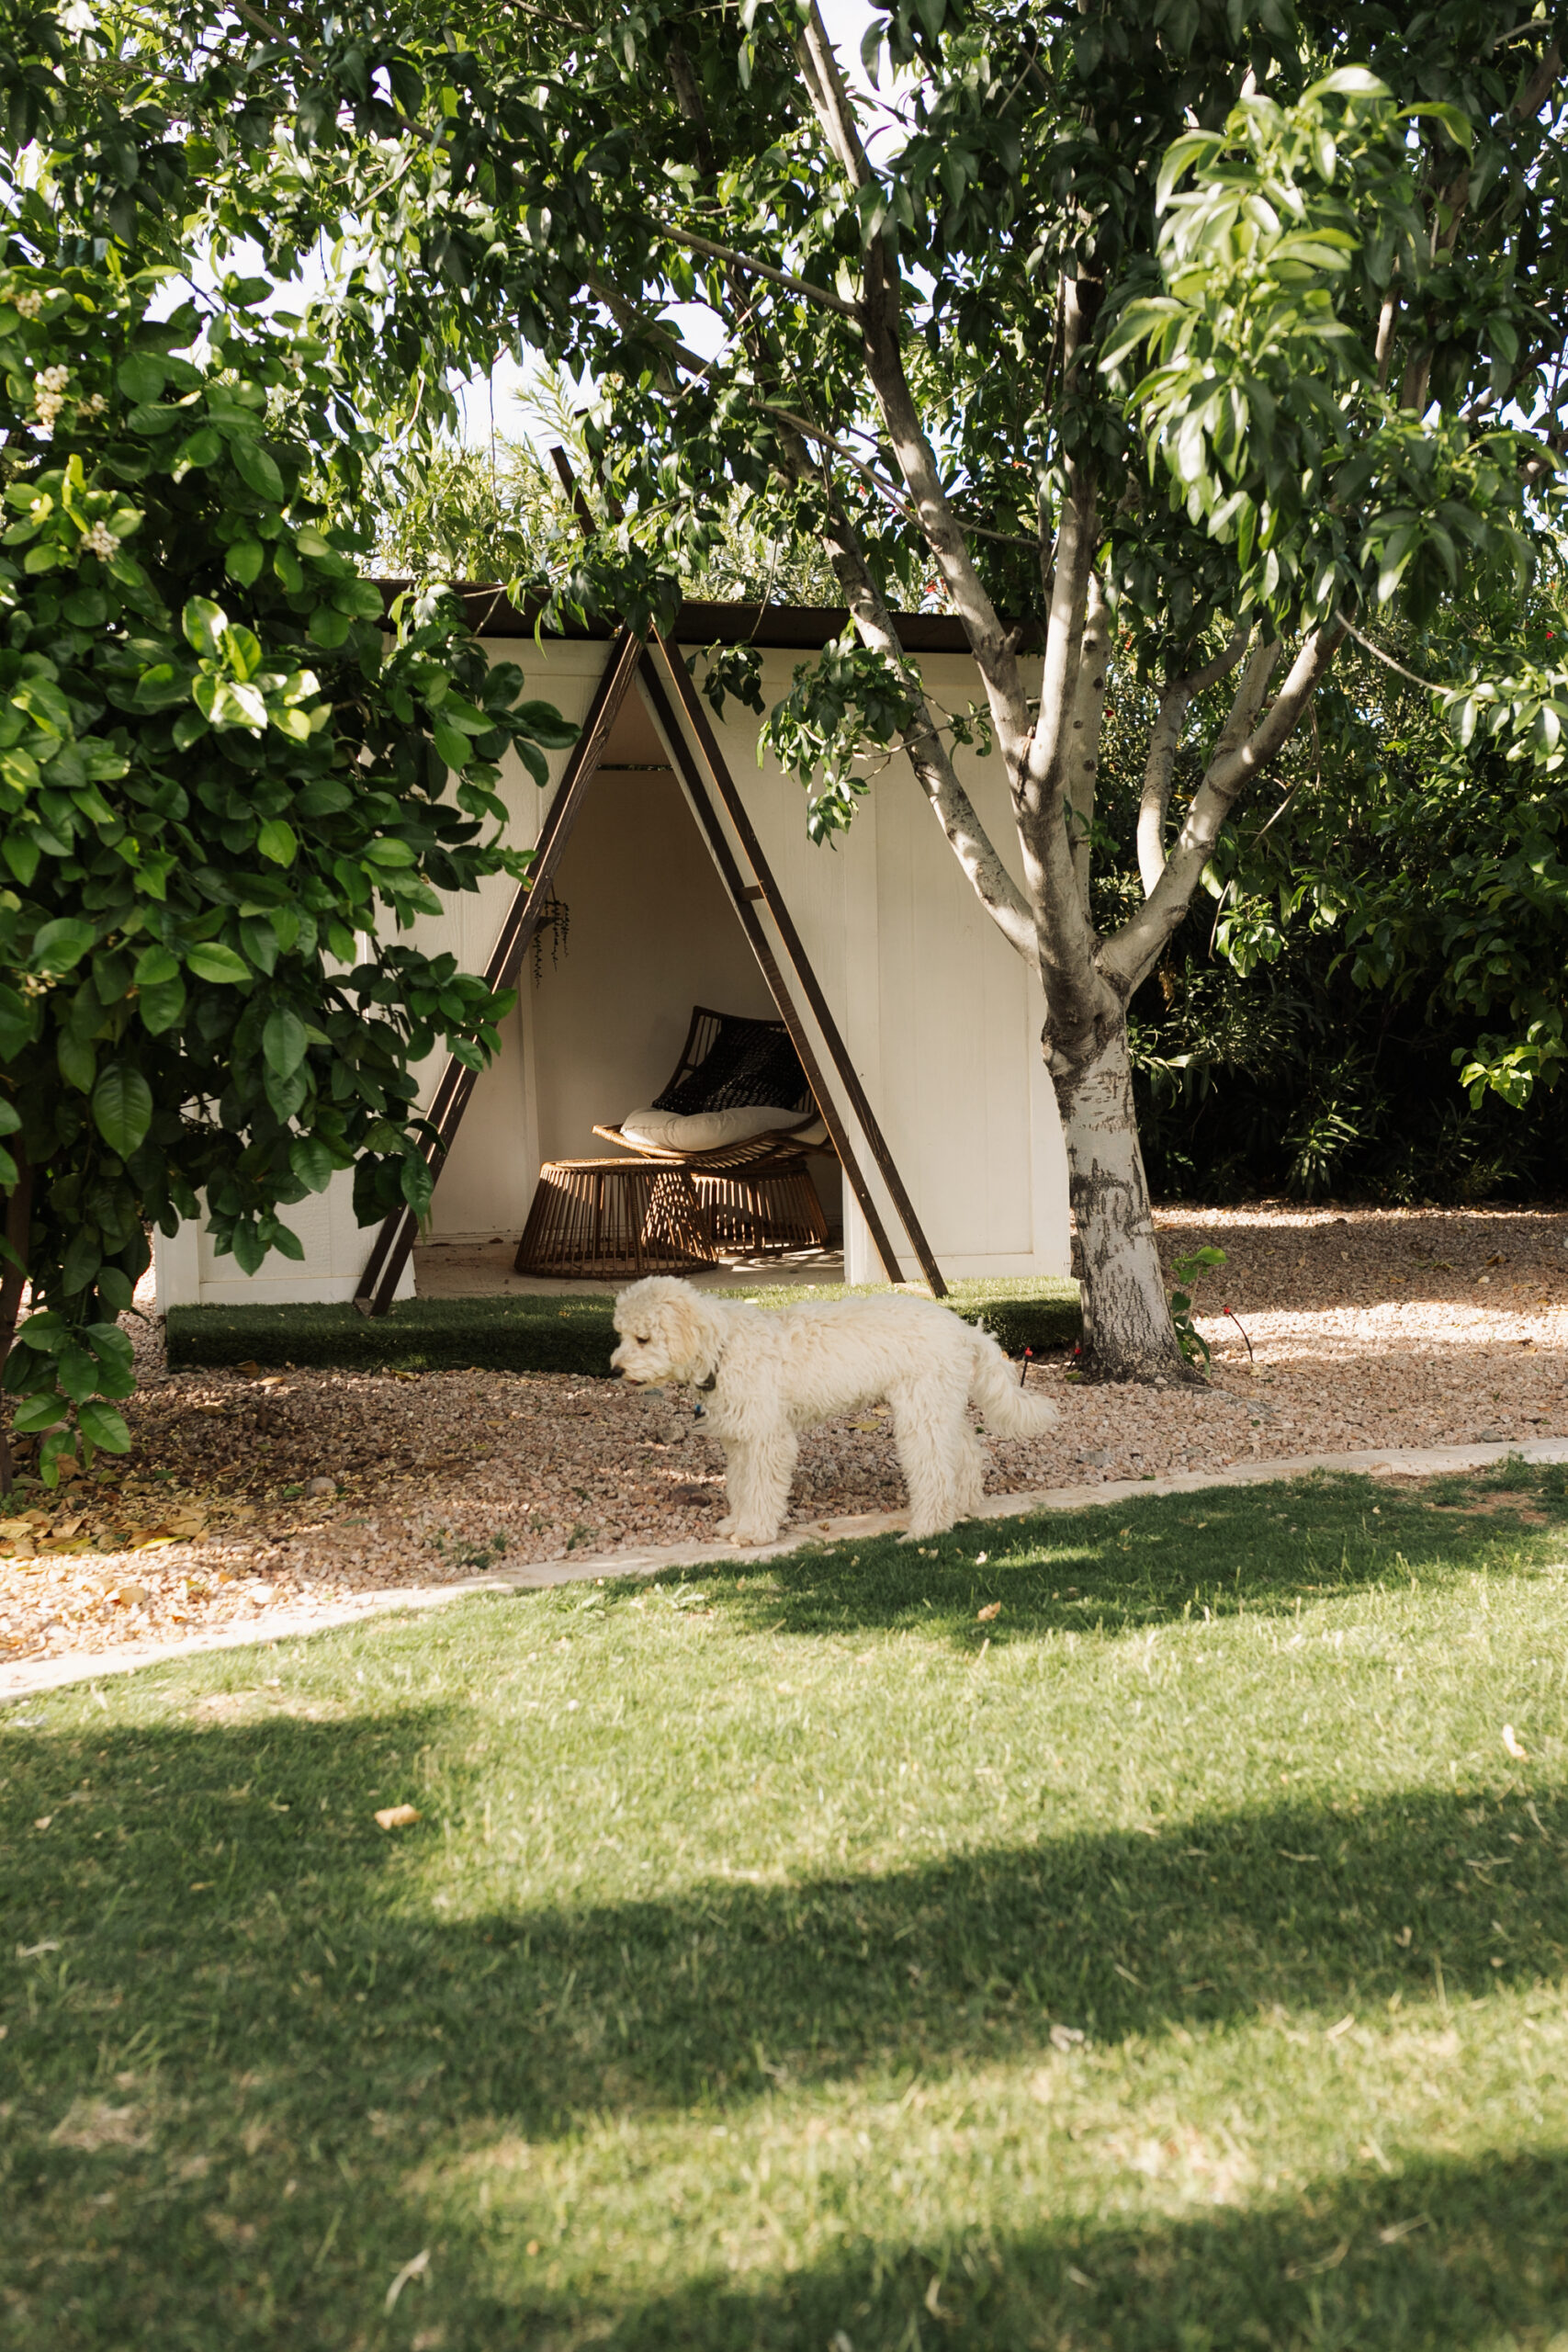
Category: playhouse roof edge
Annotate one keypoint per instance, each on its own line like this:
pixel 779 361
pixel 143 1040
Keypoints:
pixel 798 628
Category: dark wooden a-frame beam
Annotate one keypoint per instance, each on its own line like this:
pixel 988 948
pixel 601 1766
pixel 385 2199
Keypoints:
pixel 384 1267
pixel 730 875
pixel 795 947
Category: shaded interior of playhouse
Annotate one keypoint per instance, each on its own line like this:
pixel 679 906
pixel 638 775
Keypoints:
pixel 640 930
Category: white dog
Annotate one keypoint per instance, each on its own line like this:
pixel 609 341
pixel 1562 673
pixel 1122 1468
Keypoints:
pixel 766 1374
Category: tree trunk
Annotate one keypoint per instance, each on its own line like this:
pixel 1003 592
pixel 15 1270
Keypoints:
pixel 1127 1332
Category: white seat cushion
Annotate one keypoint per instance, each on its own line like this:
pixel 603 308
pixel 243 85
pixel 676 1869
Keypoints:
pixel 706 1130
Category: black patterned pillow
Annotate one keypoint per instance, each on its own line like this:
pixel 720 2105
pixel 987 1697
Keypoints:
pixel 749 1062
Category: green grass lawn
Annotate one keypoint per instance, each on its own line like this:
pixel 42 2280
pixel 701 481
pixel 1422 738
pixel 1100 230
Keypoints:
pixel 1174 1960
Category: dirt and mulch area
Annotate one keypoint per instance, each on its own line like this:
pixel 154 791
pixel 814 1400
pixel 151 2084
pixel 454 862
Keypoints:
pixel 1367 1328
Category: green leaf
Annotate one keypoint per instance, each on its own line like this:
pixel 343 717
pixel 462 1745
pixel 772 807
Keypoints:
pixel 277 840
pixel 1346 81
pixel 249 1248
pixel 21 853
pixel 1457 125
pixel 103 1427
pixel 211 960
pixel 60 946
pixel 116 1289
pixel 140 377
pixel 117 1367
pixel 328 628
pixel 203 624
pixel 83 1256
pixel 244 560
pixel 39 1411
pixel 453 747
pixel 284 1041
pixel 78 1373
pixel 122 1108
pixel 257 469
pixel 160 1005
pixel 313 1163
pixel 285 1095
pixel 78 1061
pixel 1193 147
pixel 155 964
pixel 241 649
pixel 546 725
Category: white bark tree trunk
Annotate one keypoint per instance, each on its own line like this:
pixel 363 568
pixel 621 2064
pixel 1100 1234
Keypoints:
pixel 1127 1332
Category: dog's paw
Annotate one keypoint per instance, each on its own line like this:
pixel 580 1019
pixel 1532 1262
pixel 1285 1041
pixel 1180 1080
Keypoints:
pixel 742 1534
pixel 725 1527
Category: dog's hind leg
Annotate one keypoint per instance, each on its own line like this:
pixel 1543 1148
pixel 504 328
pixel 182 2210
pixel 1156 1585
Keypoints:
pixel 757 1476
pixel 925 1418
pixel 971 1462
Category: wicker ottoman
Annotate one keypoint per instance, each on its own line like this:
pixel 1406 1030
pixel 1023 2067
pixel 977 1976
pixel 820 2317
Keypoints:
pixel 613 1220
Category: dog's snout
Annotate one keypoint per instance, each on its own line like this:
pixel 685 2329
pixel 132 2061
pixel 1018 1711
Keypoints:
pixel 617 1371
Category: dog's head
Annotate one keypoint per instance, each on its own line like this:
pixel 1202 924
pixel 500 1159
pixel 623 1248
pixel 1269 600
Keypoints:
pixel 669 1332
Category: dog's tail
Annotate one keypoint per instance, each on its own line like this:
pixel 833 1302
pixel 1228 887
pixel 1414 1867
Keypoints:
pixel 1007 1408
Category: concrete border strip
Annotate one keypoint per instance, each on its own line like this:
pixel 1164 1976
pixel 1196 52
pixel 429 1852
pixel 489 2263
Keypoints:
pixel 33 1675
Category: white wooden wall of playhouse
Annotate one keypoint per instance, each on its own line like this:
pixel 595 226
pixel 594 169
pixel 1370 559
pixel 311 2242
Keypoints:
pixel 941 1020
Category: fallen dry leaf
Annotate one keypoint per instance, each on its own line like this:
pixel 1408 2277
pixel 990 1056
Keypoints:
pixel 397 1816
pixel 984 1616
pixel 1512 1742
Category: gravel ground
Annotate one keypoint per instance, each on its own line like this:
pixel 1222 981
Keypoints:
pixel 1369 1328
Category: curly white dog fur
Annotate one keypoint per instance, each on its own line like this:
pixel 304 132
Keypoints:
pixel 768 1374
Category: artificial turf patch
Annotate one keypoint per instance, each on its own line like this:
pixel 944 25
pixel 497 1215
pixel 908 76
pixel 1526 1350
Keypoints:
pixel 528 1331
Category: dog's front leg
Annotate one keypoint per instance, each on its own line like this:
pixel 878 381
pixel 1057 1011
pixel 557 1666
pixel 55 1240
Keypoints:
pixel 757 1477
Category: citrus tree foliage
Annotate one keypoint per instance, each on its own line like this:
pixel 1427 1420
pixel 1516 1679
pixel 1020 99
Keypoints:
pixel 224 791
pixel 1236 320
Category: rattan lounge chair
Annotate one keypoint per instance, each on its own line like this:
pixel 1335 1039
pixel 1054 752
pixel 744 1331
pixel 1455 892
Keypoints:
pixel 652 1210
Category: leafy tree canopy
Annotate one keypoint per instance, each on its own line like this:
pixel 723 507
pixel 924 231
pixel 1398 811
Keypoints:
pixel 225 793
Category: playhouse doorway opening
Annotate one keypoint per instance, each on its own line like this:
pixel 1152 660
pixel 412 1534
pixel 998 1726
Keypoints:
pixel 644 932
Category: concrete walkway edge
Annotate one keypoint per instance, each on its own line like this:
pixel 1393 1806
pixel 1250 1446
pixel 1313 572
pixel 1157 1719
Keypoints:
pixel 34 1675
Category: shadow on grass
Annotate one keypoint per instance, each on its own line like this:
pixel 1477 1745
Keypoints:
pixel 1450 2258
pixel 237 2018
pixel 1122 1566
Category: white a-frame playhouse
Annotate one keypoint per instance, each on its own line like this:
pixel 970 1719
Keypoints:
pixel 687 878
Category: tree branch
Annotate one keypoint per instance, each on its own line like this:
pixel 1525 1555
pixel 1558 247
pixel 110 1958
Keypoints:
pixel 1536 90
pixel 1165 742
pixel 990 642
pixel 1240 753
pixel 1043 793
pixel 1084 732
pixel 929 755
pixel 761 269
pixel 922 743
